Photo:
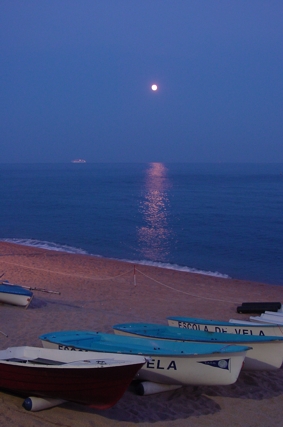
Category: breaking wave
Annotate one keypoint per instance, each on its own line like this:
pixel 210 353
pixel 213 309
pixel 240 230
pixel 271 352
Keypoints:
pixel 73 250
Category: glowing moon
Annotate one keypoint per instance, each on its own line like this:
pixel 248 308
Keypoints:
pixel 154 87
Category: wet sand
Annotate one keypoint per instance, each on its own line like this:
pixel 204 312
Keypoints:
pixel 97 293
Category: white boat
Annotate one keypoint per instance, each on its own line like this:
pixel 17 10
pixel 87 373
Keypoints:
pixel 79 161
pixel 232 327
pixel 274 318
pixel 246 322
pixel 278 314
pixel 179 363
pixel 266 353
pixel 15 294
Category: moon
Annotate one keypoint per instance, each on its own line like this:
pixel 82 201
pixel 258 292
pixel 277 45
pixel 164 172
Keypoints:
pixel 154 87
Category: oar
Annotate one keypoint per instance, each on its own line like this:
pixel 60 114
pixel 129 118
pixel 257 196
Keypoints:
pixel 6 282
pixel 41 290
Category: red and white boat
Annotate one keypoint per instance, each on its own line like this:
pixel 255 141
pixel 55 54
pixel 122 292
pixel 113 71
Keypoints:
pixel 97 380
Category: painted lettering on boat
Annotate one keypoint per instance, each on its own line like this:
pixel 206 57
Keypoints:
pixel 157 364
pixel 224 330
pixel 188 325
pixel 69 348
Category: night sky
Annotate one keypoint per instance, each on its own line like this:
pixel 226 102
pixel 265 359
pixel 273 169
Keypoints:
pixel 76 80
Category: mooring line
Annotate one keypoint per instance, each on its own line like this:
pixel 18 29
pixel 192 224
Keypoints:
pixel 183 292
pixel 67 274
pixel 119 275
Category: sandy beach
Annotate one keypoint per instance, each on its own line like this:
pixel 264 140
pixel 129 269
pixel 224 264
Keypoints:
pixel 96 293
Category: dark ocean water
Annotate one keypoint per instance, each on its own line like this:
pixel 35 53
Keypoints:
pixel 223 219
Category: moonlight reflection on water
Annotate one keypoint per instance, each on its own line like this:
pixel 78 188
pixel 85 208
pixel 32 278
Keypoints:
pixel 155 234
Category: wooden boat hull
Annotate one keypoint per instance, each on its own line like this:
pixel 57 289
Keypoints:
pixel 180 364
pixel 99 382
pixel 266 353
pixel 15 295
pixel 230 327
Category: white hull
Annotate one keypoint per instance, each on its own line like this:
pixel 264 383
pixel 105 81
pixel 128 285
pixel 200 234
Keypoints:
pixel 72 358
pixel 239 328
pixel 249 323
pixel 274 313
pixel 194 370
pixel 269 318
pixel 15 299
pixel 262 356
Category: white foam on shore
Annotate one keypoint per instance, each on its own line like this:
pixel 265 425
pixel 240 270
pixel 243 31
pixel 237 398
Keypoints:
pixel 73 250
pixel 46 245
pixel 178 268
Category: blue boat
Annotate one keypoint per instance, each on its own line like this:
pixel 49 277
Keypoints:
pixel 266 353
pixel 178 363
pixel 15 295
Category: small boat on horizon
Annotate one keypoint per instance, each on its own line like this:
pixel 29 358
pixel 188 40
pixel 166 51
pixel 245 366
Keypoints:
pixel 79 161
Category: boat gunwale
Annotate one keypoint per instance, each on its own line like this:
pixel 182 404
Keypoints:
pixel 222 349
pixel 211 322
pixel 155 331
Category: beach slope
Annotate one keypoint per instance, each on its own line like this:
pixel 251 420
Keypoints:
pixel 96 293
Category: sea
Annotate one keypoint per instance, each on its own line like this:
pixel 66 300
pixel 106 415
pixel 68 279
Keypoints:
pixel 224 220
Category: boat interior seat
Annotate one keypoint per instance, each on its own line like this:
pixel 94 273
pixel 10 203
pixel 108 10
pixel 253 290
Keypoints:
pixel 42 361
pixel 39 360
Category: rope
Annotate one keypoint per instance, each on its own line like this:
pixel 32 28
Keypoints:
pixel 183 292
pixel 68 274
pixel 110 278
pixel 120 275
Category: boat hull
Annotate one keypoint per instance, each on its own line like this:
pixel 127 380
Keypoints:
pixel 179 364
pixel 276 319
pixel 209 370
pixel 230 327
pixel 79 379
pixel 266 352
pixel 15 295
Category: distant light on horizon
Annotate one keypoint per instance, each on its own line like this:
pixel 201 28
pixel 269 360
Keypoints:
pixel 154 87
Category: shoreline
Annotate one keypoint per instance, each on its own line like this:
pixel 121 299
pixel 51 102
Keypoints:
pixel 97 293
pixel 65 249
pixel 76 251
